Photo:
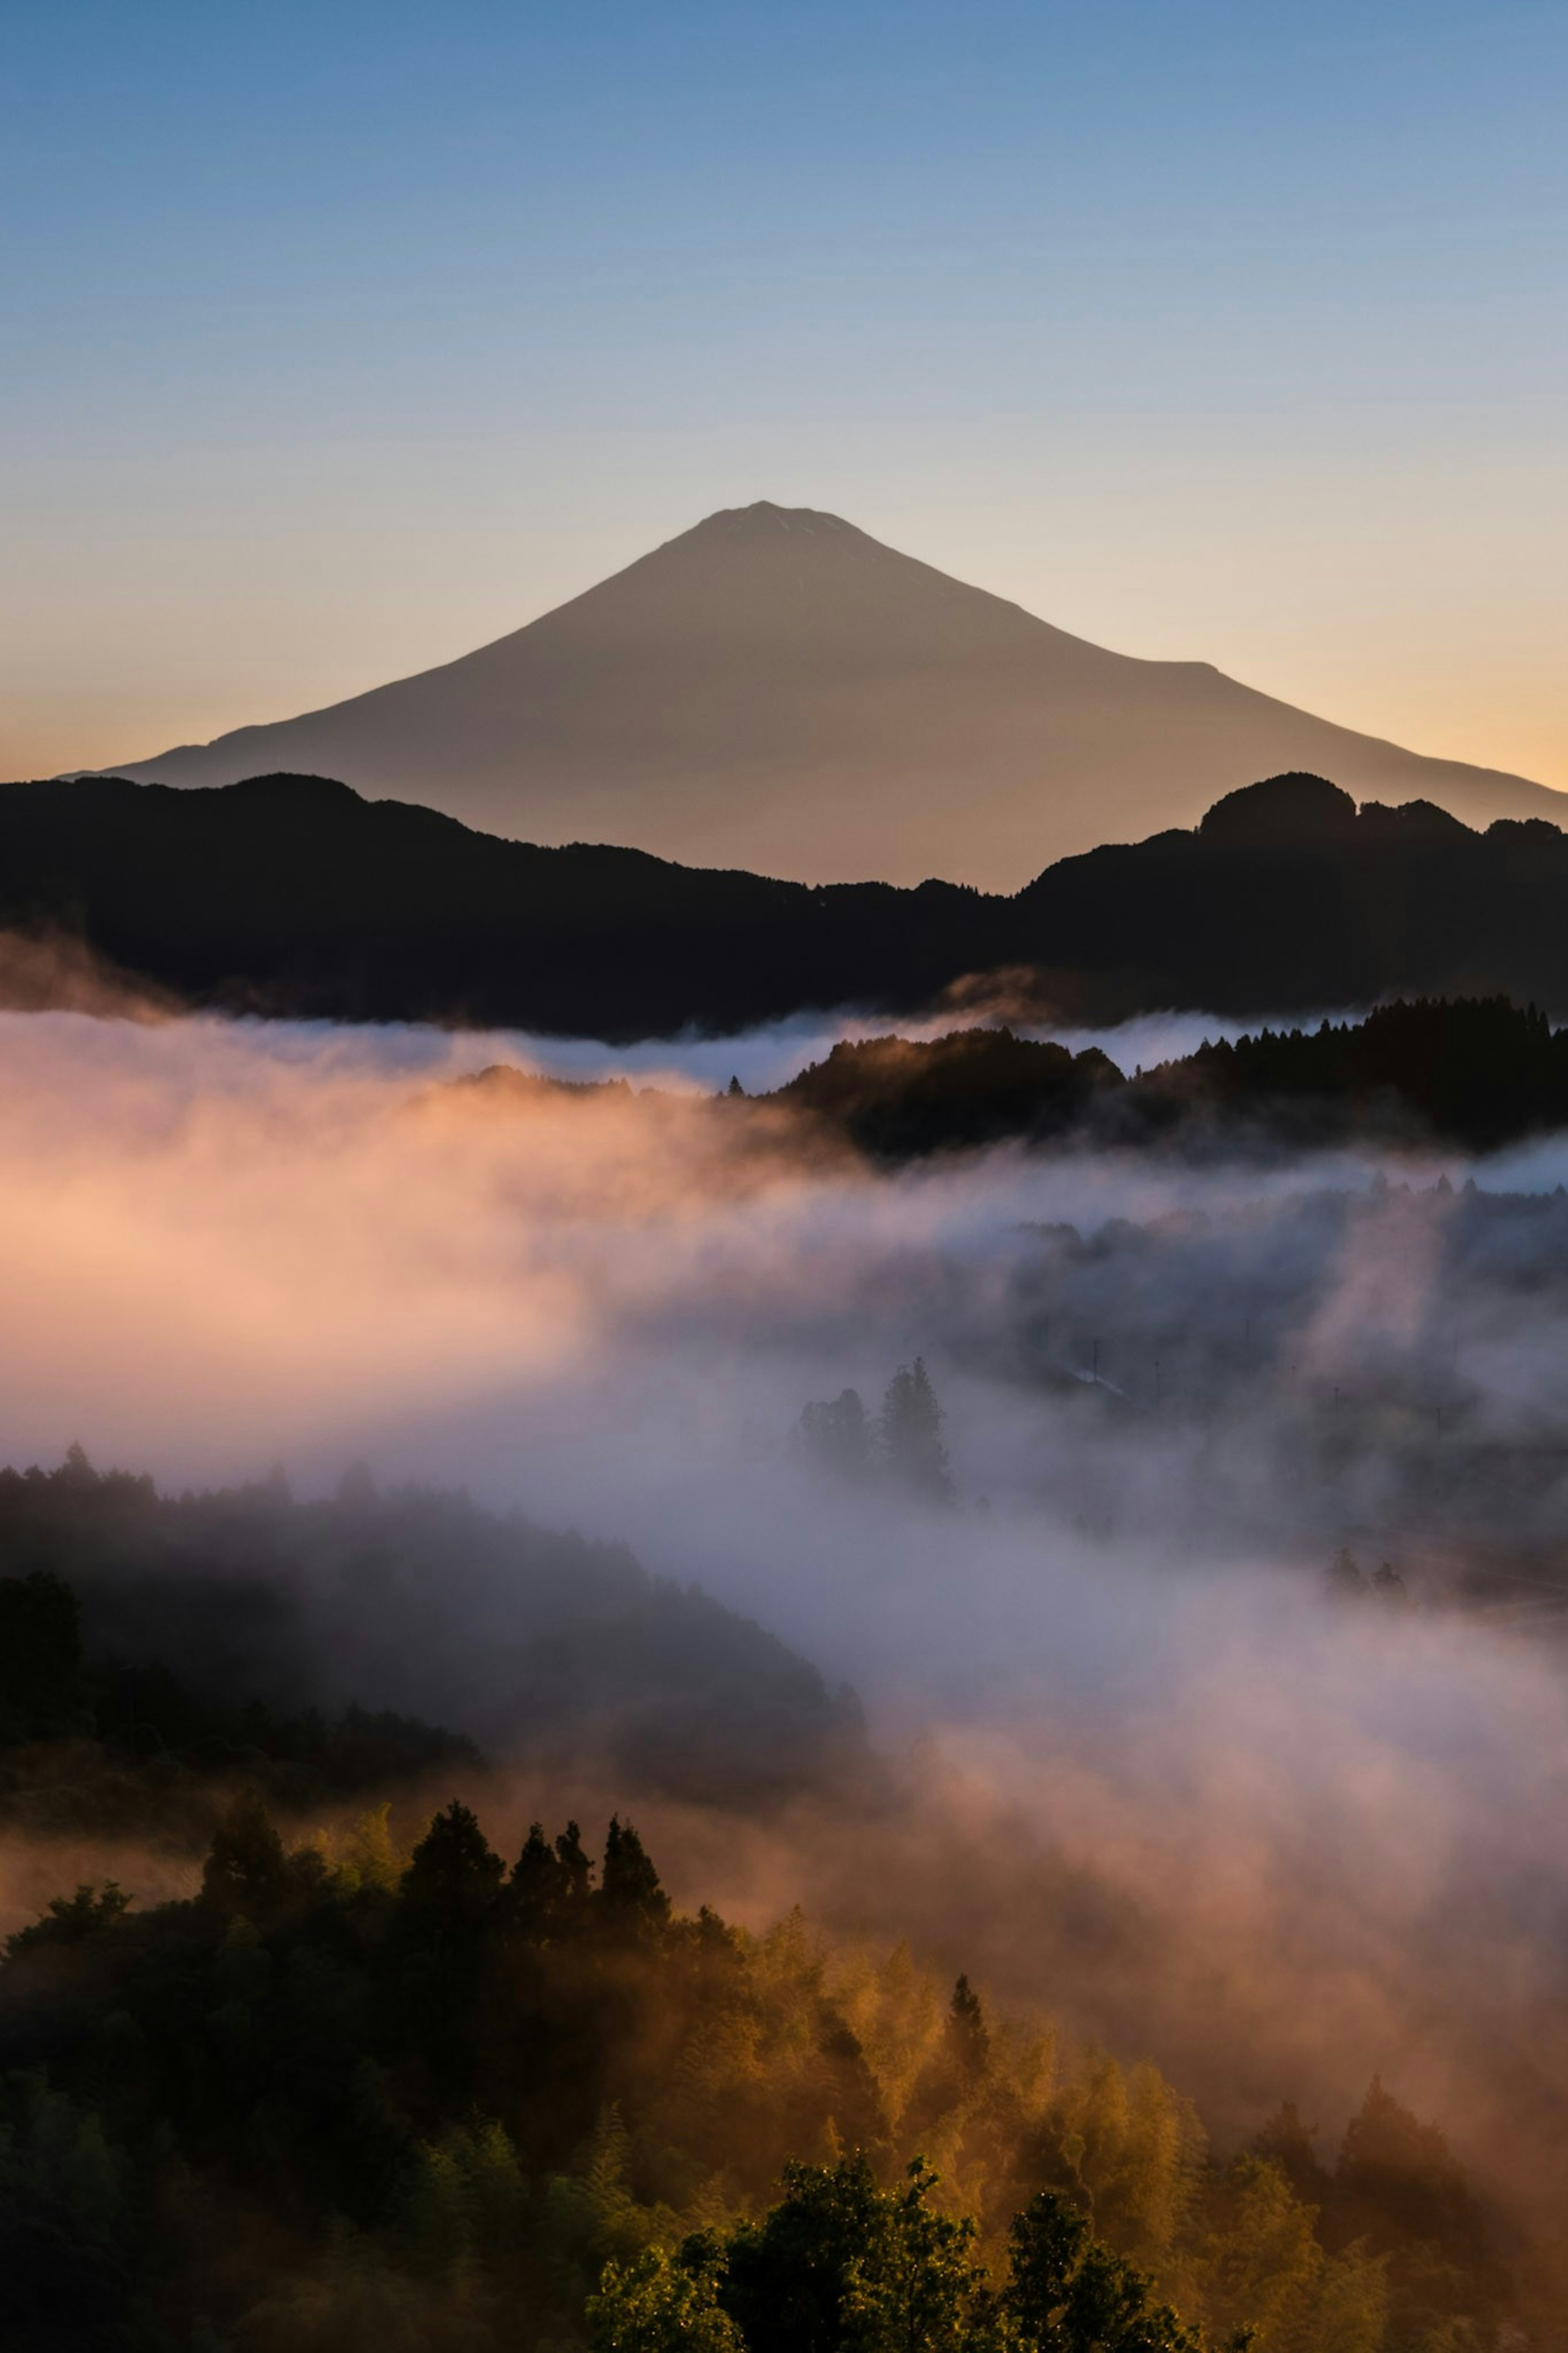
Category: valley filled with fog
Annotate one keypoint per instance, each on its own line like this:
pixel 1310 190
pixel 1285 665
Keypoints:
pixel 1133 1754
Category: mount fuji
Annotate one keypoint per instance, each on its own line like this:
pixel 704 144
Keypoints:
pixel 777 691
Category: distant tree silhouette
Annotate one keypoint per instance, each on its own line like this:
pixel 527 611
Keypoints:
pixel 968 2041
pixel 836 1435
pixel 357 1488
pixel 910 1435
pixel 1291 2145
pixel 1397 2180
pixel 76 1470
pixel 1344 1581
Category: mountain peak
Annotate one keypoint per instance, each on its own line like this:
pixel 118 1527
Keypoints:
pixel 1285 811
pixel 763 519
pixel 777 691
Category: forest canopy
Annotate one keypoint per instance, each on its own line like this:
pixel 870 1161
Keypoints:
pixel 1476 1072
pixel 343 2096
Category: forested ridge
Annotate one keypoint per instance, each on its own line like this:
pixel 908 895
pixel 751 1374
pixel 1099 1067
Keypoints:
pixel 150 1644
pixel 368 2087
pixel 1476 1072
pixel 290 895
pixel 345 2097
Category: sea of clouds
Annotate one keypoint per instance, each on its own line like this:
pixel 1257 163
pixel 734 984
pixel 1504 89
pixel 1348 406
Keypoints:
pixel 1145 1772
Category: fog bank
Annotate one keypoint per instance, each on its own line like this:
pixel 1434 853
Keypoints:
pixel 1146 1774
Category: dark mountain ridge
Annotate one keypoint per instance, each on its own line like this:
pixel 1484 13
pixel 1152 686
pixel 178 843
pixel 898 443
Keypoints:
pixel 291 896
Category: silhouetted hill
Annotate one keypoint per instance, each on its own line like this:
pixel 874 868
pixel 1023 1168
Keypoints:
pixel 291 895
pixel 1476 1072
pixel 776 690
pixel 894 1098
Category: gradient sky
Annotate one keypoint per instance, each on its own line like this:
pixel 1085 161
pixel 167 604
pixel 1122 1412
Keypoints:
pixel 336 339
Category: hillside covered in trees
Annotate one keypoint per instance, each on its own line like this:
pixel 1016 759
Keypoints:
pixel 152 1646
pixel 1471 1072
pixel 1476 1073
pixel 343 2097
pixel 290 895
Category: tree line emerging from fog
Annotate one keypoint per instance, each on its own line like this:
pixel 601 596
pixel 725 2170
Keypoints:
pixel 345 2097
pixel 1475 1073
pixel 1472 1073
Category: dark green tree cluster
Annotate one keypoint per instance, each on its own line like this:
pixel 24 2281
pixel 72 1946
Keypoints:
pixel 844 2266
pixel 1476 1072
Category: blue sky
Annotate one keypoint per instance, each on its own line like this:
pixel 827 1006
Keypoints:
pixel 339 339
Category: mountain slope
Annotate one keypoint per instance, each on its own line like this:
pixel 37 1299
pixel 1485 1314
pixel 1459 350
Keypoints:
pixel 291 895
pixel 777 691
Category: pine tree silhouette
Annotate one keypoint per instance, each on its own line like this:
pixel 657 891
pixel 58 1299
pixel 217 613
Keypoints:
pixel 910 1433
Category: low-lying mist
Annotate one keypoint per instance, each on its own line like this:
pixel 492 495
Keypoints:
pixel 1142 1768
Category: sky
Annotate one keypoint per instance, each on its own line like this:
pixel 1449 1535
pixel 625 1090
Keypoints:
pixel 336 339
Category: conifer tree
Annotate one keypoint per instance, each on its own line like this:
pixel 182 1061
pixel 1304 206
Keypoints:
pixel 454 1871
pixel 911 1434
pixel 576 1881
pixel 837 1435
pixel 1344 1580
pixel 538 1889
pixel 968 2041
pixel 246 1870
pixel 629 1889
